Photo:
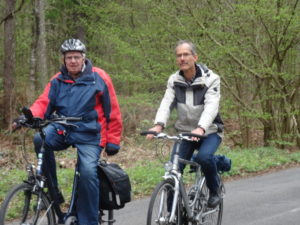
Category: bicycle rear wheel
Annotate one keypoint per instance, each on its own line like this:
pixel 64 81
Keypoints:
pixel 20 207
pixel 161 204
pixel 211 216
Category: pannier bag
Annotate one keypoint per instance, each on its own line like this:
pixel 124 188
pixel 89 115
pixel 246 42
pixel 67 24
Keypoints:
pixel 223 163
pixel 115 187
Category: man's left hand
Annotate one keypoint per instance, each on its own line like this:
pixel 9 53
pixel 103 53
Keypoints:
pixel 111 151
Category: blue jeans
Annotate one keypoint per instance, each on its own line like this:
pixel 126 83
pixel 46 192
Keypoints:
pixel 87 205
pixel 205 157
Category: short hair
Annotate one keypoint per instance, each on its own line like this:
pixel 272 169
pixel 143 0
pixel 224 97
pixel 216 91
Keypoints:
pixel 191 45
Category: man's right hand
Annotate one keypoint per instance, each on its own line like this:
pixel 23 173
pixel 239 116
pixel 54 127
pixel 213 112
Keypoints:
pixel 18 121
pixel 157 128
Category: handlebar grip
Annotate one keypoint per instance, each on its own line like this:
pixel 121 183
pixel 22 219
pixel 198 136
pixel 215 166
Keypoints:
pixel 144 133
pixel 193 135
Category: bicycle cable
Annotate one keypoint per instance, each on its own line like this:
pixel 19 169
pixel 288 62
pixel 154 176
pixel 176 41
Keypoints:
pixel 162 150
pixel 24 151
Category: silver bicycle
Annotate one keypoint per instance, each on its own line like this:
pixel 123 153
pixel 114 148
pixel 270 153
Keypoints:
pixel 174 203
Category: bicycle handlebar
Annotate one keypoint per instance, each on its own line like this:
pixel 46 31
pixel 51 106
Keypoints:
pixel 180 136
pixel 144 133
pixel 35 122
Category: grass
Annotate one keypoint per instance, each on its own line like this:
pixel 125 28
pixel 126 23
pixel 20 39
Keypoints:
pixel 145 174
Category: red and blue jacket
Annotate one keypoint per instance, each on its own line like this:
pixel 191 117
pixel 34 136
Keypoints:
pixel 92 97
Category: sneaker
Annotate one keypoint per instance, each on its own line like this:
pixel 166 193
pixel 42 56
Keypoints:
pixel 213 201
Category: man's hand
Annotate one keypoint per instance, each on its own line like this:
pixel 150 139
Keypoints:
pixel 18 121
pixel 200 131
pixel 111 149
pixel 157 128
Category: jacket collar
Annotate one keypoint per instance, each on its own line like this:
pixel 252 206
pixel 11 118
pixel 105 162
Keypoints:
pixel 198 73
pixel 85 75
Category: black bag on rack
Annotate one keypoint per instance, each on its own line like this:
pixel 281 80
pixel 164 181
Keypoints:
pixel 115 187
pixel 223 163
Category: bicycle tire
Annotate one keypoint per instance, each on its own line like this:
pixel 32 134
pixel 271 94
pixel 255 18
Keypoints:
pixel 214 218
pixel 161 203
pixel 111 219
pixel 20 207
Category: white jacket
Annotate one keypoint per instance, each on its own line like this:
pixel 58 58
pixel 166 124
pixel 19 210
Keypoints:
pixel 197 103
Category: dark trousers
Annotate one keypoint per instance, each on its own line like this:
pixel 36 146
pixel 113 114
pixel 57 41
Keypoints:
pixel 204 156
pixel 87 205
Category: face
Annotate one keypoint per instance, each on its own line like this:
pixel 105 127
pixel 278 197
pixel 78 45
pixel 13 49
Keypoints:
pixel 74 62
pixel 185 58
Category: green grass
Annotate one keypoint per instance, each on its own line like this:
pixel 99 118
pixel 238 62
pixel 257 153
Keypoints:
pixel 146 174
pixel 254 160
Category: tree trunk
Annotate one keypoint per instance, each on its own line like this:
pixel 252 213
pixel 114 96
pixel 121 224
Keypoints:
pixel 41 56
pixel 9 61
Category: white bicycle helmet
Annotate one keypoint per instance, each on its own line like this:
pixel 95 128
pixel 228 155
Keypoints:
pixel 72 45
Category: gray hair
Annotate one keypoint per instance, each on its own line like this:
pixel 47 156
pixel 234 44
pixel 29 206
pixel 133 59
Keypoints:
pixel 191 45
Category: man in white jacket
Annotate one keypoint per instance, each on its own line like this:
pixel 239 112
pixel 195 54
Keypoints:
pixel 194 91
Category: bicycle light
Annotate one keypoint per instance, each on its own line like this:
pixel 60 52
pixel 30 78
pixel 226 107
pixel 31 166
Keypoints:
pixel 168 166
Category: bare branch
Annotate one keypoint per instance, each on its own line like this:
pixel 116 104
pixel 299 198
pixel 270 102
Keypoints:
pixel 289 22
pixel 14 12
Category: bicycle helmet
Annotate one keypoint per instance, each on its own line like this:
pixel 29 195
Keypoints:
pixel 72 45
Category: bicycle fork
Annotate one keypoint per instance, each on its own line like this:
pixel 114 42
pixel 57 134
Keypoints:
pixel 178 188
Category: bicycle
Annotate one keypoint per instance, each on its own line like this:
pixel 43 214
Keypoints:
pixel 32 201
pixel 171 203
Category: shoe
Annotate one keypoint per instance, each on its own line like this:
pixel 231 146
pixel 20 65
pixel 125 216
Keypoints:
pixel 213 201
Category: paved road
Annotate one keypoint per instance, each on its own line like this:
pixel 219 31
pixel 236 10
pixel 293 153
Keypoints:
pixel 270 199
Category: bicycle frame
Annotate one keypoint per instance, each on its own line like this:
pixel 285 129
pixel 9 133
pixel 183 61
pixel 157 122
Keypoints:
pixel 38 178
pixel 179 185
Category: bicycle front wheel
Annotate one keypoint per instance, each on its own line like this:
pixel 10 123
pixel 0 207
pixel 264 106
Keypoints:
pixel 21 207
pixel 160 205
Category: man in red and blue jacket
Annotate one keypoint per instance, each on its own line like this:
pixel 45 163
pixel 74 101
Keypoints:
pixel 80 90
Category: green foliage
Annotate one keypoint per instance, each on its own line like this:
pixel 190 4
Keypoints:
pixel 254 160
pixel 144 176
pixel 252 45
pixel 136 110
pixel 65 178
pixel 9 178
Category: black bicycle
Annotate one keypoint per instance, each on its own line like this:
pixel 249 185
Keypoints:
pixel 32 201
pixel 174 203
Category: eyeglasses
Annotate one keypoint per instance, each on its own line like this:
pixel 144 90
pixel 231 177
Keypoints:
pixel 76 58
pixel 184 55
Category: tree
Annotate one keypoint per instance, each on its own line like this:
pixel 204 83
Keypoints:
pixel 251 44
pixel 9 59
pixel 41 66
pixel 258 39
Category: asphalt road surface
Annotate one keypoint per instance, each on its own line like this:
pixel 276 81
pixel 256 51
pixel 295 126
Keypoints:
pixel 269 199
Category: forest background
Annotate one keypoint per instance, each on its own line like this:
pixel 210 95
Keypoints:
pixel 254 45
